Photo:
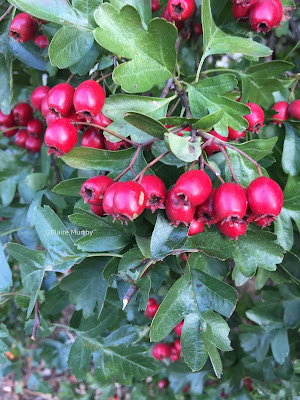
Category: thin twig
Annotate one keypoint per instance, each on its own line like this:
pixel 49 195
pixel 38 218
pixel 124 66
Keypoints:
pixel 104 77
pixel 167 88
pixel 173 108
pixel 293 88
pixel 130 166
pixel 6 12
pixel 214 171
pixel 111 132
pixel 142 173
pixel 70 78
pixel 184 100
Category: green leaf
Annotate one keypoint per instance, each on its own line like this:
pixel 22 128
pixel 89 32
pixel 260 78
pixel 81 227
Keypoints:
pixel 142 6
pixel 5 273
pixel 87 8
pixel 131 259
pixel 212 244
pixel 102 241
pixel 122 336
pixel 36 181
pixel 183 148
pixel 159 147
pixel 5 68
pixel 280 345
pixel 69 187
pixel 86 63
pixel 215 359
pixel 257 148
pixel 29 54
pixel 206 123
pixel 69 45
pixel 79 358
pixel 146 124
pixel 152 52
pixel 291 150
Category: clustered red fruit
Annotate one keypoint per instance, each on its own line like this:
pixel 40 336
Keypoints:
pixel 152 307
pixel 155 5
pixel 263 15
pixel 24 28
pixel 178 11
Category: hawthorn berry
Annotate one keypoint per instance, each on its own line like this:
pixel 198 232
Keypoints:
pixel 115 146
pixel 235 135
pixel 93 137
pixel 176 211
pixel 205 212
pixel 241 12
pixel 9 131
pixel 151 308
pixel 101 120
pixel 33 144
pixel 232 230
pixel 76 120
pixel 198 29
pixel 37 97
pixel 174 354
pixel 248 383
pixel 165 15
pixel 213 148
pixel 160 351
pixel 51 117
pixel 242 2
pixel 98 210
pixel 108 199
pixel 155 5
pixel 186 389
pixel 44 106
pixel 22 114
pixel 156 192
pixel 41 41
pixel 282 112
pixel 294 110
pixel 193 187
pixel 256 118
pixel 163 384
pixel 60 137
pixel 7 120
pixel 35 127
pixel 129 200
pixel 178 328
pixel 181 10
pixel 230 203
pixel 177 345
pixel 265 200
pixel 265 15
pixel 60 99
pixel 23 28
pixel 21 137
pixel 94 188
pixel 89 99
pixel 195 227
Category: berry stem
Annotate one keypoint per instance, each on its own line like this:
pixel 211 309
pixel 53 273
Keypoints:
pixel 6 12
pixel 229 165
pixel 70 78
pixel 142 173
pixel 294 88
pixel 111 132
pixel 130 166
pixel 184 99
pixel 104 77
pixel 13 127
pixel 167 88
pixel 214 171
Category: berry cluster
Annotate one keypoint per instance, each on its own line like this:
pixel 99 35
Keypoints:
pixel 286 111
pixel 25 28
pixel 262 15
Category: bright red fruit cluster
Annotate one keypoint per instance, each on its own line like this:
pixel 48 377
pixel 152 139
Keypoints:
pixel 24 28
pixel 286 111
pixel 262 15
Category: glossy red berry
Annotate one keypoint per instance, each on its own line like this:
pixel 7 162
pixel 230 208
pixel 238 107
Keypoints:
pixel 7 120
pixel 235 135
pixel 89 99
pixel 177 345
pixel 294 110
pixel 22 114
pixel 130 200
pixel 248 383
pixel 98 210
pixel 151 308
pixel 8 131
pixel 232 230
pixel 178 328
pixel 60 137
pixel 102 120
pixel 265 199
pixel 23 28
pixel 38 95
pixel 186 389
pixel 198 29
pixel 44 106
pixel 51 117
pixel 241 11
pixel 160 351
pixel 181 10
pixel 108 199
pixel 205 212
pixel 115 146
pixel 174 354
pixel 282 112
pixel 156 192
pixel 41 41
pixel 230 203
pixel 163 384
pixel 93 189
pixel 33 144
pixel 21 137
pixel 93 137
pixel 193 187
pixel 256 118
pixel 242 2
pixel 213 148
pixel 155 5
pixel 176 211
pixel 195 227
pixel 76 120
pixel 35 127
pixel 60 99
pixel 265 15
pixel 165 15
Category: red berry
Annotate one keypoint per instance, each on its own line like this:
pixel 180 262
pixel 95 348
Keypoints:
pixel 89 99
pixel 160 351
pixel 177 345
pixel 76 120
pixel 179 24
pixel 294 110
pixel 41 41
pixel 248 383
pixel 22 114
pixel 183 257
pixel 44 106
pixel 21 137
pixel 176 211
pixel 282 108
pixel 256 118
pixel 98 210
pixel 193 187
pixel 213 147
pixel 241 11
pixel 178 328
pixel 195 227
pixel 265 15
pixel 93 137
pixel 205 212
pixel 33 144
pixel 155 5
pixel 198 29
pixel 242 2
pixel 37 97
pixel 108 199
pixel 151 308
pixel 186 389
pixel 60 137
pixel 163 384
pixel 174 354
pixel 7 120
pixel 60 99
pixel 23 28
pixel 265 200
pixel 102 120
pixel 94 188
pixel 115 146
pixel 35 127
pixel 230 203
pixel 129 200
pixel 235 135
pixel 181 10
pixel 8 131
pixel 156 192
pixel 51 117
pixel 232 230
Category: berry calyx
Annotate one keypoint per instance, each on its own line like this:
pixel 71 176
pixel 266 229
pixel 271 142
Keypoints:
pixel 163 384
pixel 115 146
pixel 177 212
pixel 60 99
pixel 265 15
pixel 232 230
pixel 151 308
pixel 195 227
pixel 294 110
pixel 41 41
pixel 60 137
pixel 93 137
pixel 22 114
pixel 33 144
pixel 235 135
pixel 98 210
pixel 178 328
pixel 23 28
pixel 193 187
pixel 230 203
pixel 165 15
pixel 256 118
pixel 282 112
pixel 102 120
pixel 160 351
pixel 37 97
pixel 93 189
pixel 213 148
pixel 129 200
pixel 205 212
pixel 89 99
pixel 156 192
pixel 108 199
pixel 155 5
pixel 21 137
pixel 35 127
pixel 181 10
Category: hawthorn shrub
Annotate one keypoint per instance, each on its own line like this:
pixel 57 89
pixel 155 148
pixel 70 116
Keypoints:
pixel 149 182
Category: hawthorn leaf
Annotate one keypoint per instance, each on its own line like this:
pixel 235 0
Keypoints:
pixel 183 148
pixel 87 8
pixel 142 6
pixel 280 345
pixel 29 54
pixel 5 68
pixel 69 187
pixel 291 150
pixel 206 123
pixel 5 272
pixel 79 358
pixel 146 124
pixel 212 244
pixel 131 259
pixel 159 147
